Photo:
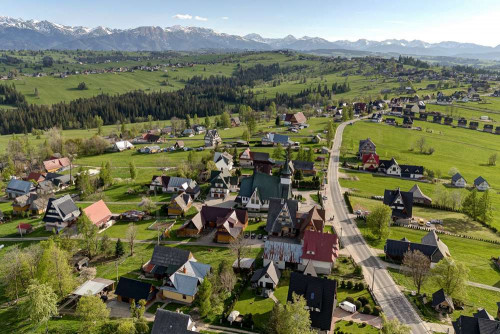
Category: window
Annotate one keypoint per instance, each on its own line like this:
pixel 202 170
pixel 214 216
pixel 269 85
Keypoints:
pixel 184 297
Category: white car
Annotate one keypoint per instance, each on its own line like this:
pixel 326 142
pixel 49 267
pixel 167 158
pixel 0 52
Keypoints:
pixel 428 224
pixel 349 307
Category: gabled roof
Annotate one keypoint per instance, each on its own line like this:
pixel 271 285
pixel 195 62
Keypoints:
pixel 456 177
pixel 479 180
pixel 362 142
pixel 309 269
pixel 483 314
pixel 123 145
pixel 410 169
pixel 276 206
pixel 299 117
pixel 20 186
pixel 370 156
pixel 319 246
pixel 398 248
pixel 315 216
pixel 168 322
pixel 275 250
pixel 303 165
pixel 417 193
pixel 320 296
pixel 432 238
pixel 268 185
pixel 169 257
pixel 133 289
pixel 183 200
pixel 271 270
pixel 55 164
pixel 278 138
pixel 390 198
pixel 98 213
pixel 472 325
pixel 440 297
pixel 61 209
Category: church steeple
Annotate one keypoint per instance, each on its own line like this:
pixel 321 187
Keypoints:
pixel 286 180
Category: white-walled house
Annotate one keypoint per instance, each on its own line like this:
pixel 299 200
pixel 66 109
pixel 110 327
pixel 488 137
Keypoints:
pixel 267 277
pixel 481 184
pixel 458 181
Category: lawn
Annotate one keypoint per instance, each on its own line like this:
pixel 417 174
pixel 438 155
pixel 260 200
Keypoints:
pixel 355 328
pixel 466 150
pixel 476 255
pixel 476 298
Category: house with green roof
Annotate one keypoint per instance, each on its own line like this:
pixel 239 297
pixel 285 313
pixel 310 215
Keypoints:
pixel 257 190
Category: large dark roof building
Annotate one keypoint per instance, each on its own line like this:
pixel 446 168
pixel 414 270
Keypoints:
pixel 472 325
pixel 401 203
pixel 320 295
pixel 168 322
pixel 128 289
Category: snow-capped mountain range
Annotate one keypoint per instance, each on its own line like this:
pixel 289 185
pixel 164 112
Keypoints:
pixel 34 35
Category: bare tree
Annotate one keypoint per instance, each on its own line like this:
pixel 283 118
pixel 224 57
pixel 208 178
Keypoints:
pixel 420 143
pixel 131 235
pixel 239 247
pixel 456 199
pixel 418 267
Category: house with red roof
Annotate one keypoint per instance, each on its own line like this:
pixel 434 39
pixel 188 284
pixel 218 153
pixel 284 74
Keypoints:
pixel 99 214
pixel 24 228
pixel 35 177
pixel 56 165
pixel 370 162
pixel 320 248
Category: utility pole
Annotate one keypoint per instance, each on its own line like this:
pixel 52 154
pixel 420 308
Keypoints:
pixel 116 264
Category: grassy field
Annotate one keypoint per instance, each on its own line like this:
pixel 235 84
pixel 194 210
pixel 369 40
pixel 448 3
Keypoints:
pixel 355 328
pixel 466 150
pixel 476 255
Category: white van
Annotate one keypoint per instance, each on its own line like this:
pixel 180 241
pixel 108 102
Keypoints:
pixel 349 307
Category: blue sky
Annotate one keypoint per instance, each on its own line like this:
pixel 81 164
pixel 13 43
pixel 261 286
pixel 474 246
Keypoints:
pixel 432 21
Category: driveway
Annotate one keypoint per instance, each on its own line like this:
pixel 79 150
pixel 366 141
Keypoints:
pixel 340 314
pixel 119 309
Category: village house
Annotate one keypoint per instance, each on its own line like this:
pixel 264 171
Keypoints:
pixel 60 213
pixel 149 149
pixel 321 250
pixel 419 197
pixel 179 145
pixel 390 121
pixel 407 122
pixel 174 184
pixel 222 183
pixel 212 138
pixel 437 119
pixel 423 116
pixel 282 218
pixel 313 220
pixel 35 177
pixel 430 245
pixel 273 139
pixel 188 133
pixel 260 161
pixel 458 181
pixel 448 120
pixel 230 226
pixel 306 167
pixel 21 204
pixel 473 125
pixel 24 228
pixel 199 129
pixel 16 188
pixel 441 302
pixel 481 184
pixel 235 121
pixel 366 146
pixel 179 204
pixel 223 160
pixel 212 216
pixel 266 278
pixel 411 110
pixel 412 172
pixel 462 123
pixel 180 271
pixel 401 203
pixel 56 165
pixel 295 119
pixel 121 146
pixel 99 214
pixel 168 322
pixel 370 162
pixel 320 295
pixel 488 128
pixel 475 325
pixel 128 290
pixel 257 190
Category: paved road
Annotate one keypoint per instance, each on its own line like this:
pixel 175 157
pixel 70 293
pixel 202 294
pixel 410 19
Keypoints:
pixel 388 295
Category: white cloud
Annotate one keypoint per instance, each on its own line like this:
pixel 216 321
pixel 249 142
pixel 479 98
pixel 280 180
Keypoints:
pixel 199 18
pixel 225 18
pixel 183 17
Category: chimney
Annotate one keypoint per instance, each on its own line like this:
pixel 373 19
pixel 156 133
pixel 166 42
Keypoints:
pixel 184 270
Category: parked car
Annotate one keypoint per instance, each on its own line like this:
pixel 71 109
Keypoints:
pixel 252 236
pixel 265 237
pixel 428 224
pixel 259 236
pixel 349 307
pixel 325 198
pixel 246 235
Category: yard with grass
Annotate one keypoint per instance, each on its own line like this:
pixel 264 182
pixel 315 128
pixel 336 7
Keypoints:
pixel 354 328
pixel 464 149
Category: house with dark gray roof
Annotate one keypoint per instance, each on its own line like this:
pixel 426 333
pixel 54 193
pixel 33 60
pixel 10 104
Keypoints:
pixel 481 184
pixel 430 245
pixel 168 322
pixel 282 218
pixel 129 289
pixel 401 203
pixel 412 172
pixel 483 314
pixel 458 181
pixel 222 183
pixel 212 138
pixel 441 302
pixel 306 167
pixel 366 146
pixel 273 139
pixel 17 188
pixel 419 197
pixel 60 213
pixel 472 325
pixel 320 295
pixel 267 277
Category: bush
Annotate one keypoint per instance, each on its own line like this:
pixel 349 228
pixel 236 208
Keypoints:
pixel 363 300
pixel 367 309
pixel 358 305
pixel 350 299
pixel 357 270
pixel 342 284
pixel 349 285
pixel 377 310
pixel 351 322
